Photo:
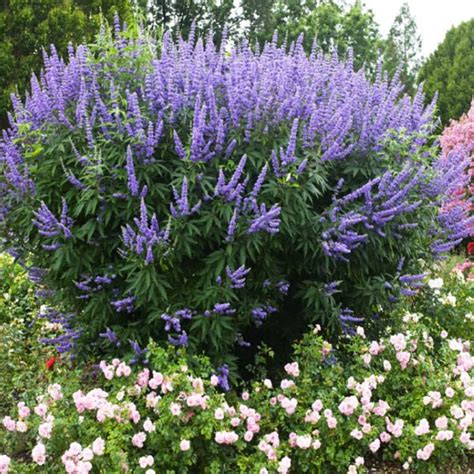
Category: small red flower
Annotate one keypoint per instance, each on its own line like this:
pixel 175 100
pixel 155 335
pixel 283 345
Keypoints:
pixel 470 248
pixel 50 362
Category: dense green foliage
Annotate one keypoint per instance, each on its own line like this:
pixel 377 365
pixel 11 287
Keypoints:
pixel 449 71
pixel 28 26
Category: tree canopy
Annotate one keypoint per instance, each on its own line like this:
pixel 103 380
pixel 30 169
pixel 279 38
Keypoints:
pixel 450 72
pixel 28 26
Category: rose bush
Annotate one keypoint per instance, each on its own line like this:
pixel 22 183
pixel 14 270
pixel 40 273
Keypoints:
pixel 407 398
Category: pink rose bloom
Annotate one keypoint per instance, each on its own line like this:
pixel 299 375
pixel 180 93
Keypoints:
pixel 41 409
pixel 146 461
pixel 357 434
pixel 87 454
pixel 108 373
pixel 285 383
pixel 387 366
pixel 98 446
pixel 148 426
pixel 425 453
pixel 135 416
pixel 39 454
pixel 23 410
pixel 9 423
pixel 398 341
pixel 175 409
pixel 312 417
pixel 235 421
pixel 303 442
pixel 385 437
pixel 367 428
pixel 248 436
pixel 403 357
pixel 245 396
pixel 185 445
pixel 441 423
pixel 139 439
pixel 317 405
pixel 214 380
pixel 4 463
pixel 348 405
pixel 381 408
pixel 166 386
pixel 444 435
pixel 469 392
pixel 156 380
pixel 422 428
pixel 332 422
pixel 45 430
pixel 55 392
pixel 21 426
pixel 284 465
pixel 375 348
pixel 292 369
pixel 268 383
pixel 226 437
pixel 395 428
pixel 289 405
pixel 219 414
pixel 374 445
pixel 75 449
pixel 143 377
pixel 457 412
pixel 152 399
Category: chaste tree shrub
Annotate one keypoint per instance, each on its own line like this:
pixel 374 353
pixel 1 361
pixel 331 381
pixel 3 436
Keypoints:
pixel 199 194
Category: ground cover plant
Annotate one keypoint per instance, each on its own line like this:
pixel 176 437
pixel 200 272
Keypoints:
pixel 217 198
pixel 406 398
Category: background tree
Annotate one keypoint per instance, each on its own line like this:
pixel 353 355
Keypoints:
pixel 403 48
pixel 26 26
pixel 178 16
pixel 450 72
pixel 331 23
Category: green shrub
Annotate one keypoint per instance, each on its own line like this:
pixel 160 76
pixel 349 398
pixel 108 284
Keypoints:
pixel 186 193
pixel 16 291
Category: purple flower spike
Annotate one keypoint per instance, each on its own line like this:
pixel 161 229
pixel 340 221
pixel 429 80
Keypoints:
pixel 111 336
pixel 124 305
pixel 267 221
pixel 132 179
pixel 49 226
pixel 182 202
pixel 223 377
pixel 180 151
pixel 238 276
